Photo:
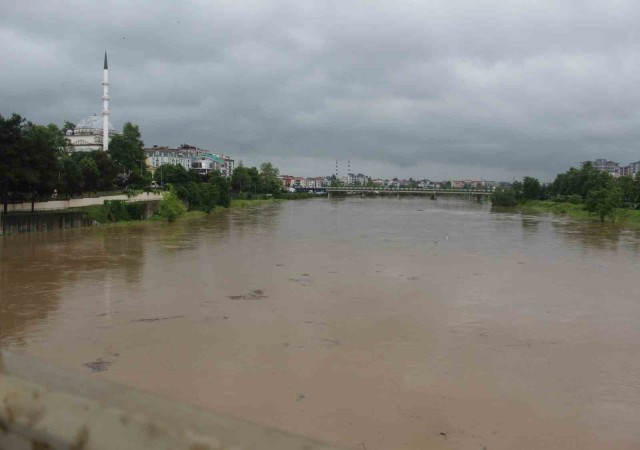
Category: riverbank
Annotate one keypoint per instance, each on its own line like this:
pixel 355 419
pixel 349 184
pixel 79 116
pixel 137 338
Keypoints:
pixel 96 213
pixel 113 214
pixel 626 217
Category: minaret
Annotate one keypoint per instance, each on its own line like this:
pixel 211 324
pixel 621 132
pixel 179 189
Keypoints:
pixel 105 105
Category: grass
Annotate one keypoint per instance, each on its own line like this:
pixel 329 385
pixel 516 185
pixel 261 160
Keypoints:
pixel 627 217
pixel 245 203
pixel 100 214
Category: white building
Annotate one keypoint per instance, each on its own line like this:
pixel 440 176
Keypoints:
pixel 157 156
pixel 228 167
pixel 191 158
pixel 88 134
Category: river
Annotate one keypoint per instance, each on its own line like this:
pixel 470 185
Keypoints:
pixel 378 323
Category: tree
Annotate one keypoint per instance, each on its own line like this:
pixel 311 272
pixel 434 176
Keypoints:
pixel 107 170
pixel 90 173
pixel 604 202
pixel 29 158
pixel 504 197
pixel 172 174
pixel 580 181
pixel 127 150
pixel 626 185
pixel 171 207
pixel 518 190
pixel 70 175
pixel 241 180
pixel 223 188
pixel 635 192
pixel 531 189
pixel 11 133
pixel 269 182
pixel 68 126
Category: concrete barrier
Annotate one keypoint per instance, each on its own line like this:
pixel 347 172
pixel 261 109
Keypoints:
pixel 79 202
pixel 43 407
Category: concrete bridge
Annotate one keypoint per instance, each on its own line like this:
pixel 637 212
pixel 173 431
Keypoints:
pixel 434 193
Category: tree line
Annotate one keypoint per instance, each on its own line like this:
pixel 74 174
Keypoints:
pixel 599 192
pixel 36 161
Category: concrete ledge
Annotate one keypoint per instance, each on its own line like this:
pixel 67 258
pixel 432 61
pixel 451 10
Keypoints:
pixel 80 202
pixel 43 407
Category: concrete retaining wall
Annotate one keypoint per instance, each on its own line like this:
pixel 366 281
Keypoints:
pixel 45 220
pixel 42 221
pixel 79 202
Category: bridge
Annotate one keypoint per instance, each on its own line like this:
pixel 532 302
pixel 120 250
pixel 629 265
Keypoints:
pixel 432 192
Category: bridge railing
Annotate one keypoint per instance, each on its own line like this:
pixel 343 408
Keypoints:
pixel 401 189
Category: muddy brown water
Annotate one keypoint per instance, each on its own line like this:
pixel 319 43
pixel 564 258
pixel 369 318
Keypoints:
pixel 375 323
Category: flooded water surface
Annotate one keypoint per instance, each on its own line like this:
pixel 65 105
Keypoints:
pixel 374 323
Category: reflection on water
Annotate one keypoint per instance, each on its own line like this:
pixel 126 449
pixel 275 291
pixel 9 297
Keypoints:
pixel 35 268
pixel 378 323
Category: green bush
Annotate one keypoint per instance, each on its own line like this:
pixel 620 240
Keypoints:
pixel 503 197
pixel 116 210
pixel 604 203
pixel 135 210
pixel 171 207
pixel 574 199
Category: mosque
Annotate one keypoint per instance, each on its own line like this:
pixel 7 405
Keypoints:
pixel 93 132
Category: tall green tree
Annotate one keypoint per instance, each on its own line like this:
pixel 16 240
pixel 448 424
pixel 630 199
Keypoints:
pixel 531 188
pixel 70 181
pixel 580 181
pixel 626 185
pixel 90 173
pixel 172 174
pixel 269 182
pixel 241 180
pixel 29 157
pixel 11 133
pixel 604 202
pixel 504 197
pixel 127 150
pixel 223 188
pixel 68 125
pixel 171 207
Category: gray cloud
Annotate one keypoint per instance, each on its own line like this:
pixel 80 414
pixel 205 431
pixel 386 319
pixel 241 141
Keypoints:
pixel 493 89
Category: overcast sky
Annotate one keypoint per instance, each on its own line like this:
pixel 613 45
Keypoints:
pixel 425 89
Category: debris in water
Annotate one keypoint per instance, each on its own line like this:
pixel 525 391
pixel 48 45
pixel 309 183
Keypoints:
pixel 155 319
pixel 98 365
pixel 332 342
pixel 257 294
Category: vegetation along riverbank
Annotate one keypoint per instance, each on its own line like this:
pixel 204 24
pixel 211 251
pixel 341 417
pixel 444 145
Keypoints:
pixel 585 193
pixel 37 164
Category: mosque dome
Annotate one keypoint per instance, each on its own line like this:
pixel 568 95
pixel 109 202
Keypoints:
pixel 92 123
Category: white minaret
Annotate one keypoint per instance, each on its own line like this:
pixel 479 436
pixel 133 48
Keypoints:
pixel 105 105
